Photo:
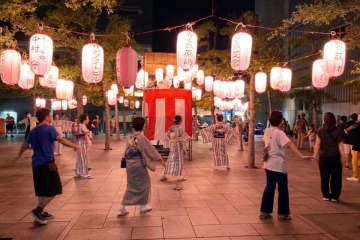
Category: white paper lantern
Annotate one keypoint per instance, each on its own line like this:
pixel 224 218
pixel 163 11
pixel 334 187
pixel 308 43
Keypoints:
pixel 64 89
pixel 159 75
pixel 115 88
pixel 170 71
pixel 286 77
pixel 40 53
pixel 241 45
pixel 121 99
pixel 239 88
pixel 129 91
pixel 275 77
pixel 198 94
pixel 194 71
pixel 56 105
pixel 27 77
pixel 50 79
pixel 188 86
pixel 140 79
pixel 237 103
pixel 217 87
pixel 72 104
pixel 180 72
pixel 335 57
pixel 64 105
pixel 176 82
pixel 40 102
pixel 193 92
pixel 186 48
pixel 111 97
pixel 10 65
pixel 137 104
pixel 200 77
pixel 209 80
pixel 320 77
pixel 223 91
pixel 126 102
pixel 92 63
pixel 84 100
pixel 260 82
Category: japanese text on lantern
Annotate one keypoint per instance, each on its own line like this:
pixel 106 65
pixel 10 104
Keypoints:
pixel 96 64
pixel 188 55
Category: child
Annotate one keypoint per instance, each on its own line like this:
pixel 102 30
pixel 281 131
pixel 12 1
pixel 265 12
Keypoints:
pixel 311 134
pixel 45 174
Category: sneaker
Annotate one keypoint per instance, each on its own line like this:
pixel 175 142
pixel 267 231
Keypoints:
pixel 38 217
pixel 264 216
pixel 325 199
pixel 284 217
pixel 334 200
pixel 47 216
pixel 352 179
pixel 122 211
pixel 145 209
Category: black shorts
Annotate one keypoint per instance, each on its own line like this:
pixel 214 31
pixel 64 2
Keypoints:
pixel 47 183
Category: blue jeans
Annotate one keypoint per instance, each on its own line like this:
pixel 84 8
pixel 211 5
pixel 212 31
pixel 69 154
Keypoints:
pixel 273 178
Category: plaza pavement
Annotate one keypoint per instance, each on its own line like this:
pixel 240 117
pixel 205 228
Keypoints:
pixel 215 204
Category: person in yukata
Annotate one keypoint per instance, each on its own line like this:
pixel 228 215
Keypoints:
pixel 83 139
pixel 139 155
pixel 46 177
pixel 220 135
pixel 59 128
pixel 177 138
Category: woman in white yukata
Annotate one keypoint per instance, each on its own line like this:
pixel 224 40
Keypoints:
pixel 175 162
pixel 139 156
pixel 83 139
pixel 220 135
pixel 59 128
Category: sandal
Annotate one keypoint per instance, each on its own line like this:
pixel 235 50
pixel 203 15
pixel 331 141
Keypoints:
pixel 264 216
pixel 178 188
pixel 284 217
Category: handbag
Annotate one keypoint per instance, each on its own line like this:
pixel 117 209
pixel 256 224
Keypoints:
pixel 123 163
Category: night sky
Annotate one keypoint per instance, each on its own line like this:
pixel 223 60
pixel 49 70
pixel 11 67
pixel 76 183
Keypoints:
pixel 176 12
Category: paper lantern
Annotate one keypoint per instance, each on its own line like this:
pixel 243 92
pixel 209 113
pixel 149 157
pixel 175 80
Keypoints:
pixel 40 53
pixel 72 104
pixel 194 71
pixel 198 94
pixel 223 90
pixel 217 87
pixel 286 76
pixel 260 82
pixel 140 79
pixel 187 77
pixel 92 63
pixel 193 92
pixel 115 88
pixel 50 79
pixel 159 75
pixel 275 77
pixel 126 66
pixel 64 105
pixel 320 77
pixel 111 97
pixel 40 102
pixel 186 47
pixel 129 91
pixel 335 57
pixel 176 82
pixel 209 80
pixel 170 71
pixel 56 105
pixel 200 77
pixel 27 77
pixel 180 72
pixel 64 89
pixel 121 99
pixel 241 45
pixel 84 100
pixel 137 104
pixel 126 102
pixel 10 65
pixel 237 103
pixel 239 87
pixel 188 86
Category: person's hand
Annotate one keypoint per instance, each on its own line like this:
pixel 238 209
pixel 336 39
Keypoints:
pixel 307 157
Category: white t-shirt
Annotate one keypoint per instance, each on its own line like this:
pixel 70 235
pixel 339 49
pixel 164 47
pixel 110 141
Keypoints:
pixel 277 141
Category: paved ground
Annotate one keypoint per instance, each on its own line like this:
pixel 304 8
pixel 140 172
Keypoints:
pixel 215 204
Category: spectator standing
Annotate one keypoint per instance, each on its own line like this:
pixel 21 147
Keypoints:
pixel 343 124
pixel 10 124
pixel 300 126
pixel 329 151
pixel 30 123
pixel 353 133
pixel 96 123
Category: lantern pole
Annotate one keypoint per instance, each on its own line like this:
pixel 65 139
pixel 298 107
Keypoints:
pixel 251 152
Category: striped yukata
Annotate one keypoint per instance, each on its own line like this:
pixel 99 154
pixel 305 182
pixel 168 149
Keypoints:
pixel 175 162
pixel 219 135
pixel 59 128
pixel 82 139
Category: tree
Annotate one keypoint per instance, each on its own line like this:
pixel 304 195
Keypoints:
pixel 59 18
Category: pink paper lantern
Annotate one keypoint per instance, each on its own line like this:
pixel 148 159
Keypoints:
pixel 170 71
pixel 92 63
pixel 56 105
pixel 223 91
pixel 335 57
pixel 239 87
pixel 41 49
pixel 186 48
pixel 260 82
pixel 64 89
pixel 27 77
pixel 111 97
pixel 217 87
pixel 126 66
pixel 50 79
pixel 10 65
pixel 200 77
pixel 84 100
pixel 209 80
pixel 64 105
pixel 275 77
pixel 286 77
pixel 320 77
pixel 241 45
